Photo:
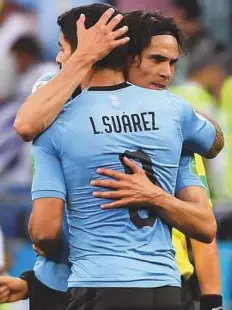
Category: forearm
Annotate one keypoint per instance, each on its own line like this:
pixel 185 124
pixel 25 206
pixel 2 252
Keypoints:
pixel 219 139
pixel 190 218
pixel 207 267
pixel 42 107
pixel 47 237
pixel 50 247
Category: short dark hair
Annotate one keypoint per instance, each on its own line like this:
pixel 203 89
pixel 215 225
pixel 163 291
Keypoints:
pixel 27 44
pixel 67 22
pixel 143 25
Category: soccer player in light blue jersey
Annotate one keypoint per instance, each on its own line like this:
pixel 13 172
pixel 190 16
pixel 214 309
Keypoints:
pixel 186 166
pixel 48 281
pixel 55 271
pixel 123 126
pixel 46 276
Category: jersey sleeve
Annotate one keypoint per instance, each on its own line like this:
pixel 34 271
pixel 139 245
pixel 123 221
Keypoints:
pixel 48 177
pixel 198 132
pixel 187 174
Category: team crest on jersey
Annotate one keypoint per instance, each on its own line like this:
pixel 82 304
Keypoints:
pixel 115 101
pixel 40 84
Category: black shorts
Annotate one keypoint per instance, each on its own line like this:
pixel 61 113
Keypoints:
pixel 186 295
pixel 42 297
pixel 164 298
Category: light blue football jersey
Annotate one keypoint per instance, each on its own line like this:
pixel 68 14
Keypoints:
pixel 123 247
pixel 54 274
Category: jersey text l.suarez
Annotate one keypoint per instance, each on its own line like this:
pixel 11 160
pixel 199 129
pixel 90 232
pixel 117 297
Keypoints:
pixel 124 123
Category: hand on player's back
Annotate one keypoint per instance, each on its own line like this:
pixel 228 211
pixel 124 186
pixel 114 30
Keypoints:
pixel 128 189
pixel 101 39
pixel 12 289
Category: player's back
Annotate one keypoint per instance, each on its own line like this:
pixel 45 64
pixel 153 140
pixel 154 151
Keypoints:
pixel 119 247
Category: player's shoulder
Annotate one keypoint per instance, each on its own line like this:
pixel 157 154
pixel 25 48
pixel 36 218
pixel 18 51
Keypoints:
pixel 168 98
pixel 180 104
pixel 71 103
pixel 163 93
pixel 44 79
pixel 176 98
pixel 50 137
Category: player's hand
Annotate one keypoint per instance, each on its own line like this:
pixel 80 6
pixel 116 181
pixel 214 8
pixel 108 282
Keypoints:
pixel 12 289
pixel 101 39
pixel 38 250
pixel 128 189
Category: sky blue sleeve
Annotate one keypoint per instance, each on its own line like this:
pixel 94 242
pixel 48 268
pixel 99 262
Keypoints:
pixel 48 177
pixel 198 132
pixel 187 173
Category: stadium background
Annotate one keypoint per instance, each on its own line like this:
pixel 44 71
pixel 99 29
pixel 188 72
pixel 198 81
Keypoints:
pixel 28 46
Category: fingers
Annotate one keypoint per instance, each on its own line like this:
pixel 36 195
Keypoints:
pixel 116 204
pixel 114 22
pixel 3 288
pixel 119 32
pixel 133 166
pixel 80 23
pixel 120 42
pixel 4 293
pixel 110 195
pixel 112 173
pixel 106 183
pixel 105 17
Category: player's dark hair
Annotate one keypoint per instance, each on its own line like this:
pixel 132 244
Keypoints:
pixel 27 45
pixel 67 22
pixel 143 25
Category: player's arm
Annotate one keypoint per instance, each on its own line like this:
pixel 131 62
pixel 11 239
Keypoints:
pixel 192 196
pixel 189 213
pixel 45 225
pixel 207 268
pixel 48 193
pixel 42 107
pixel 219 138
pixel 201 134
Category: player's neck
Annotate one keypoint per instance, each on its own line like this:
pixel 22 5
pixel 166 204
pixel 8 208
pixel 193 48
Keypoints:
pixel 105 77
